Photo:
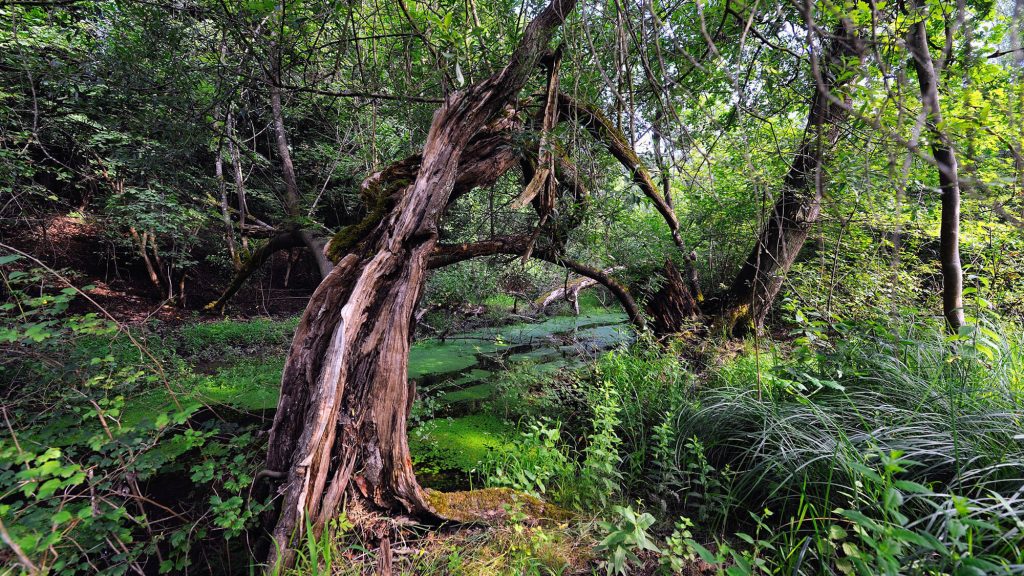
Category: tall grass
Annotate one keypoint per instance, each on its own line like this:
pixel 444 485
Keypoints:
pixel 935 425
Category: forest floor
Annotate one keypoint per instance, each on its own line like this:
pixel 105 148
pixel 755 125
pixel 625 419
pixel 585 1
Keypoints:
pixel 471 387
pixel 863 445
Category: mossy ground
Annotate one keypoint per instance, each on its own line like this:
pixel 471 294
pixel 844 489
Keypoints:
pixel 491 505
pixel 458 443
pixel 237 365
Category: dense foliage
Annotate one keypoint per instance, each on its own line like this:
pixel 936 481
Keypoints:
pixel 162 161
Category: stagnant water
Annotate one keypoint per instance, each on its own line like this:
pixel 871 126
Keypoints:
pixel 454 424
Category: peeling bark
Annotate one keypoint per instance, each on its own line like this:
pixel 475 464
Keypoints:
pixel 340 426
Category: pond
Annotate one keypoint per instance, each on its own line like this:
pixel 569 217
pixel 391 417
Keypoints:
pixel 452 427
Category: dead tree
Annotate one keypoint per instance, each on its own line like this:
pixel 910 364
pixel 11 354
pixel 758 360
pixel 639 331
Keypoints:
pixel 340 426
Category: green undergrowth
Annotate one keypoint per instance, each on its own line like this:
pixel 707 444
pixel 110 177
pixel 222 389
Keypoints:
pixel 217 339
pixel 458 443
pixel 250 385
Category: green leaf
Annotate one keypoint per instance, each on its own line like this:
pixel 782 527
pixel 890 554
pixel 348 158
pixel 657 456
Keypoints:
pixel 701 551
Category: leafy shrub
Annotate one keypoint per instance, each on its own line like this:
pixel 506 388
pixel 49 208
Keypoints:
pixel 626 537
pixel 533 463
pixel 93 431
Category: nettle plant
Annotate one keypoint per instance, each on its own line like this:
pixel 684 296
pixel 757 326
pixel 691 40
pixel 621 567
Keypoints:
pixel 83 450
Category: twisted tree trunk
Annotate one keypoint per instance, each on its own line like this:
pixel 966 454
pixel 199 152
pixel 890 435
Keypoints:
pixel 340 426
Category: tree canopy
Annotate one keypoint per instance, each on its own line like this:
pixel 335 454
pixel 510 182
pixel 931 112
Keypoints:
pixel 720 170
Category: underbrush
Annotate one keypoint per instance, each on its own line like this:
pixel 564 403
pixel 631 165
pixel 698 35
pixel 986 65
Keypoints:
pixel 895 450
pixel 862 449
pixel 885 450
pixel 518 547
pixel 112 463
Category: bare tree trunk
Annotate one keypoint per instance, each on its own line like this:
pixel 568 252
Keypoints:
pixel 345 397
pixel 949 181
pixel 236 168
pixel 225 214
pixel 142 243
pixel 450 254
pixel 570 291
pixel 291 185
pixel 799 205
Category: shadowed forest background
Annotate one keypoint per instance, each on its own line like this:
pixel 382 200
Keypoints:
pixel 512 287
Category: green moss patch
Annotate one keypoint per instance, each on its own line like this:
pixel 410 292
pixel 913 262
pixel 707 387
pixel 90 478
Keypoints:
pixel 475 393
pixel 493 505
pixel 435 357
pixel 458 443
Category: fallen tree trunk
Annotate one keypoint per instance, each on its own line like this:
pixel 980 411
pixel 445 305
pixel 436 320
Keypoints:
pixel 254 262
pixel 340 425
pixel 570 291
pixel 447 254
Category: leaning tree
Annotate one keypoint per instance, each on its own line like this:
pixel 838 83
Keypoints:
pixel 340 426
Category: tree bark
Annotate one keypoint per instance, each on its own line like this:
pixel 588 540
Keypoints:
pixel 949 181
pixel 236 168
pixel 799 205
pixel 293 198
pixel 340 426
pixel 225 212
pixel 447 254
pixel 673 304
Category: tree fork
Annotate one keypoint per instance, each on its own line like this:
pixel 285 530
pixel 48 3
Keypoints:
pixel 340 424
